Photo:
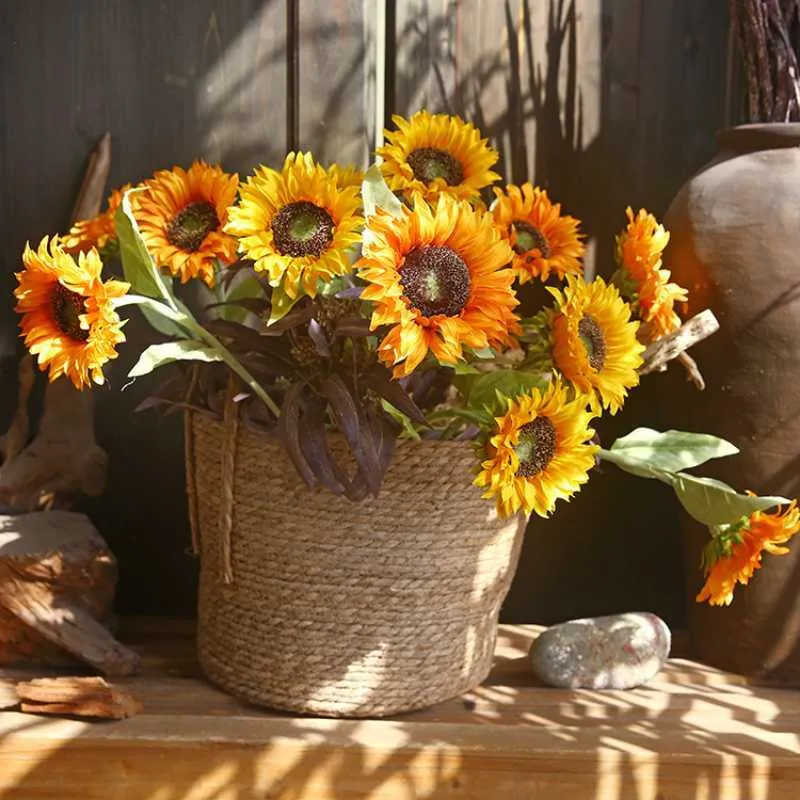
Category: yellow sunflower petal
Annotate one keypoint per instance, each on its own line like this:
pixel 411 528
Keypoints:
pixel 595 346
pixel 761 532
pixel 68 318
pixel 298 224
pixel 98 231
pixel 438 276
pixel 181 215
pixel 434 154
pixel 540 454
pixel 544 240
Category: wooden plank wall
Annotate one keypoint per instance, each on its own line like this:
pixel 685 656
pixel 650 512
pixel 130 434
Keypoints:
pixel 605 102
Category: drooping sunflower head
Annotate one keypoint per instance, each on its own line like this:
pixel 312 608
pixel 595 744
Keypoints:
pixel 99 231
pixel 735 552
pixel 181 215
pixel 298 224
pixel 641 279
pixel 436 154
pixel 544 240
pixel 540 452
pixel 594 341
pixel 68 317
pixel 438 277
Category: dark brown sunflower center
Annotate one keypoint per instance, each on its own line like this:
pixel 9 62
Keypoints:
pixel 302 229
pixel 536 446
pixel 529 237
pixel 435 280
pixel 429 163
pixel 190 226
pixel 67 308
pixel 594 342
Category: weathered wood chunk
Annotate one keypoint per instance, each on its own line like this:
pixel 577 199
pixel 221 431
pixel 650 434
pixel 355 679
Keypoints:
pixel 84 697
pixel 57 581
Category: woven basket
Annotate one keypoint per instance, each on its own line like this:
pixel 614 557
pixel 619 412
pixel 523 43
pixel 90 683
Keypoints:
pixel 314 604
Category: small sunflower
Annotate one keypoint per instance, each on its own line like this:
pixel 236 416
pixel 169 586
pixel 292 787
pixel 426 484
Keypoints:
pixel 298 224
pixel 438 277
pixel 543 239
pixel 181 215
pixel 594 341
pixel 735 553
pixel 68 317
pixel 98 231
pixel 540 452
pixel 639 252
pixel 436 154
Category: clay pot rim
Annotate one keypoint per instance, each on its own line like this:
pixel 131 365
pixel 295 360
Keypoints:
pixel 759 136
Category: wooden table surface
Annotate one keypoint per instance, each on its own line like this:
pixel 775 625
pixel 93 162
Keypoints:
pixel 693 732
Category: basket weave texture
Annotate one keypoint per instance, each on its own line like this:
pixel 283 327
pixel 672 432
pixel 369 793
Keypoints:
pixel 347 609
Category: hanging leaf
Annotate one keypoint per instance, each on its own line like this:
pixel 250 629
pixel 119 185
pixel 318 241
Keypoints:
pixel 314 444
pixel 380 381
pixel 344 408
pixel 491 390
pixel 376 194
pixel 140 271
pixel 289 431
pixel 671 450
pixel 713 502
pixel 318 339
pixel 157 355
pixel 406 425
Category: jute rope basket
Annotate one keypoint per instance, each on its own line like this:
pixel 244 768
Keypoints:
pixel 314 604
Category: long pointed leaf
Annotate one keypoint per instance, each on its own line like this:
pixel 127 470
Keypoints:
pixel 381 382
pixel 343 405
pixel 314 442
pixel 289 431
pixel 671 450
pixel 157 355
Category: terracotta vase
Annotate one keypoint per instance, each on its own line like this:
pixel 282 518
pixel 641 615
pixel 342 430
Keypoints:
pixel 735 244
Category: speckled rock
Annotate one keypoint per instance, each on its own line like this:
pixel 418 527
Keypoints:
pixel 615 652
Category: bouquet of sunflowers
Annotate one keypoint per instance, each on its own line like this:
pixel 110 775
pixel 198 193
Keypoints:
pixel 385 304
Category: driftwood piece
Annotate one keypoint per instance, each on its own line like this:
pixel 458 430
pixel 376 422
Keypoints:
pixel 674 345
pixel 84 697
pixel 62 461
pixel 57 580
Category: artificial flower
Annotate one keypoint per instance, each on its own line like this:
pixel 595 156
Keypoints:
pixel 298 225
pixel 544 240
pixel 99 231
pixel 594 341
pixel 736 551
pixel 436 154
pixel 540 453
pixel 68 317
pixel 181 215
pixel 438 276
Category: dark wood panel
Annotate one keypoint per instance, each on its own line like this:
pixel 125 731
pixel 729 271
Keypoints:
pixel 172 81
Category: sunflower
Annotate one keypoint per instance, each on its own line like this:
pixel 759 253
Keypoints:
pixel 735 553
pixel 437 275
pixel 594 341
pixel 181 214
pixel 436 154
pixel 98 231
pixel 68 317
pixel 540 452
pixel 298 224
pixel 543 239
pixel 640 277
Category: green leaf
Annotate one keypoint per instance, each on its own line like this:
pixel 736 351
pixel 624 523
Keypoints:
pixel 139 269
pixel 282 304
pixel 492 389
pixel 671 450
pixel 376 194
pixel 713 502
pixel 159 354
pixel 248 288
pixel 480 417
pixel 409 431
pixel 462 368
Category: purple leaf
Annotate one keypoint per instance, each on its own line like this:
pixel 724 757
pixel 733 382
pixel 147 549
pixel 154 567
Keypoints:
pixel 289 431
pixel 379 379
pixel 317 336
pixel 313 440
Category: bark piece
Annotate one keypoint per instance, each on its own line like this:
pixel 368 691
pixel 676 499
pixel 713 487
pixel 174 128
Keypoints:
pixel 85 697
pixel 57 581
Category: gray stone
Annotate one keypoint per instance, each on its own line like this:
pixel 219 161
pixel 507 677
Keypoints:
pixel 620 651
